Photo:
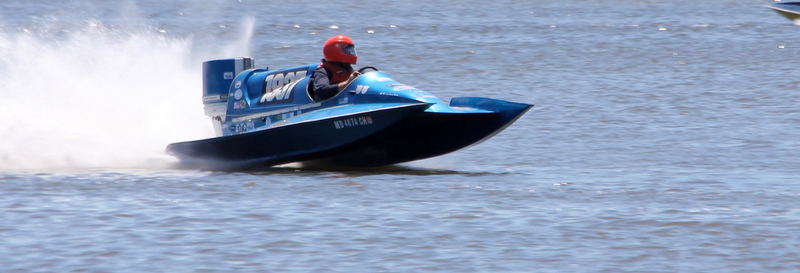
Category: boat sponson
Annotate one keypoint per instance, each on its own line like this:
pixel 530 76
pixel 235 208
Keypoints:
pixel 429 134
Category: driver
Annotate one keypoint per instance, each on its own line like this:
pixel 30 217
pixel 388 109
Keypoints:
pixel 335 72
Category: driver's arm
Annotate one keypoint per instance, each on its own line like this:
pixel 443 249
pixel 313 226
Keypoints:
pixel 323 89
pixel 344 84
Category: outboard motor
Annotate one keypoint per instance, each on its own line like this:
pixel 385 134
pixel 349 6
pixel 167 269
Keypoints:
pixel 217 78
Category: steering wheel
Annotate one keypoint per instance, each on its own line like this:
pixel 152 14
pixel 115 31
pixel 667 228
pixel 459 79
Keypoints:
pixel 367 67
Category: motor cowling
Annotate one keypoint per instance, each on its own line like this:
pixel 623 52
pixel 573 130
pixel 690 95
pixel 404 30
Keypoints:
pixel 217 78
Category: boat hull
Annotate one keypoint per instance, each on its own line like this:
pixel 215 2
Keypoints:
pixel 428 135
pixel 302 141
pixel 790 10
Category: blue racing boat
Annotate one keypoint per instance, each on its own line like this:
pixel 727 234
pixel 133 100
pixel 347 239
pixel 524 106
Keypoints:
pixel 271 117
pixel 790 10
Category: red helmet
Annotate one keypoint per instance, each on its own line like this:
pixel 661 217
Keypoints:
pixel 341 49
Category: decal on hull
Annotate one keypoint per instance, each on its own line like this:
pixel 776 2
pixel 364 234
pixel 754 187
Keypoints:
pixel 279 87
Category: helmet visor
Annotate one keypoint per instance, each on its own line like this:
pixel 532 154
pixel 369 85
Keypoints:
pixel 349 49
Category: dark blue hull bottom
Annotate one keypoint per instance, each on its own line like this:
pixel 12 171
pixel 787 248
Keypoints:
pixel 790 10
pixel 424 136
pixel 394 136
pixel 286 144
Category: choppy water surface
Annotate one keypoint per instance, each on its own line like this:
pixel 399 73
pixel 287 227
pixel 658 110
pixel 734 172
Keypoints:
pixel 664 139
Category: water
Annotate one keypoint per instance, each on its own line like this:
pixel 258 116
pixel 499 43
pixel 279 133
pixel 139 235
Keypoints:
pixel 664 139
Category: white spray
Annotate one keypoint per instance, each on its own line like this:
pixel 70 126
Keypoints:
pixel 96 97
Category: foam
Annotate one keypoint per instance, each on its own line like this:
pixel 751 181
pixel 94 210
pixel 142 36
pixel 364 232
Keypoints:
pixel 93 96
